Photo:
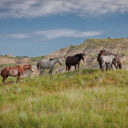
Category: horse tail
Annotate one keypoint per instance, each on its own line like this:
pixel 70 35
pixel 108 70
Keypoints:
pixel 38 66
pixel 1 72
pixel 66 63
pixel 4 72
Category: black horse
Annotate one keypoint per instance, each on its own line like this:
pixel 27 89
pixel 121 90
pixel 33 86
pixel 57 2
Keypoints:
pixel 74 60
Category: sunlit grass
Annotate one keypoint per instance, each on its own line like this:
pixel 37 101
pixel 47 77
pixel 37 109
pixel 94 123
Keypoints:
pixel 79 99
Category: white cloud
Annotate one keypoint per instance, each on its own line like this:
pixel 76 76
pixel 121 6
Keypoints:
pixel 58 33
pixel 14 36
pixel 36 8
pixel 52 34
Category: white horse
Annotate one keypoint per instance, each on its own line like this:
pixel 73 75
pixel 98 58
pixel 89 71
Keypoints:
pixel 107 60
pixel 47 64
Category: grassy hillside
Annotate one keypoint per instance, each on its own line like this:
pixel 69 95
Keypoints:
pixel 80 99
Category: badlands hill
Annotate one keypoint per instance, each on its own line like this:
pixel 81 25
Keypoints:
pixel 90 47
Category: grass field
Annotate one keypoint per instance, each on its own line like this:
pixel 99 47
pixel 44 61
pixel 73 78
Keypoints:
pixel 80 99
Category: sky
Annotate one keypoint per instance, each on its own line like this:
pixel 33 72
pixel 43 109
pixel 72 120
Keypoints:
pixel 40 27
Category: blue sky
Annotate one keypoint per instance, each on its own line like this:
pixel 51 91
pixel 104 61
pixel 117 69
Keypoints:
pixel 40 27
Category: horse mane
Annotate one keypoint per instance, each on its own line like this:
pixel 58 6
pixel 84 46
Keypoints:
pixel 79 54
pixel 27 65
pixel 98 57
pixel 100 53
pixel 52 59
pixel 106 53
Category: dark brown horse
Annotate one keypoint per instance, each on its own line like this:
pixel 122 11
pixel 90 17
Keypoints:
pixel 74 61
pixel 116 61
pixel 14 71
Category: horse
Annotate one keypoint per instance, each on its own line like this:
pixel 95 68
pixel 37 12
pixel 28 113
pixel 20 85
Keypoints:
pixel 116 61
pixel 47 64
pixel 15 71
pixel 74 61
pixel 108 61
pixel 102 53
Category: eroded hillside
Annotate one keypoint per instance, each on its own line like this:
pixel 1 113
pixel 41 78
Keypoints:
pixel 90 47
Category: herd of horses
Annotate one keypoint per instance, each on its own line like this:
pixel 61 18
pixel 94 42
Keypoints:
pixel 104 58
pixel 108 59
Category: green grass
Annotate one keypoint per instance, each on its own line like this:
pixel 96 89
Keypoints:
pixel 36 58
pixel 80 99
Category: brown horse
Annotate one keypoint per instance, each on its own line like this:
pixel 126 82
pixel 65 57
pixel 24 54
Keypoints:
pixel 14 71
pixel 74 60
pixel 116 61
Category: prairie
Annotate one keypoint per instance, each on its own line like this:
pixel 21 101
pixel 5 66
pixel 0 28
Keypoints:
pixel 77 99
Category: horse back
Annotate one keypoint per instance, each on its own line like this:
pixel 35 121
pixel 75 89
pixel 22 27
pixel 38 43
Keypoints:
pixel 71 60
pixel 45 64
pixel 11 71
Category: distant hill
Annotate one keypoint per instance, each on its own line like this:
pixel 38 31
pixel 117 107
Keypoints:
pixel 90 47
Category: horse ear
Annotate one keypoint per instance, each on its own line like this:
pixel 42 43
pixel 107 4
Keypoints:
pixel 83 54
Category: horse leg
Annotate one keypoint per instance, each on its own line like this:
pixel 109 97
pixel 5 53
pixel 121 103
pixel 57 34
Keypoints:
pixel 111 67
pixel 116 66
pixel 102 65
pixel 69 67
pixel 50 71
pixel 4 78
pixel 5 83
pixel 107 67
pixel 66 68
pixel 78 65
pixel 119 65
pixel 41 71
pixel 18 78
pixel 75 67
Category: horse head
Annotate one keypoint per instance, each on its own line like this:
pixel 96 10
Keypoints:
pixel 28 67
pixel 82 56
pixel 56 60
pixel 59 61
pixel 101 53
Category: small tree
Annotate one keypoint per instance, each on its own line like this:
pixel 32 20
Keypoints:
pixel 109 38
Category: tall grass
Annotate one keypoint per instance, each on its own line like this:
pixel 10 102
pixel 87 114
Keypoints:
pixel 79 99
